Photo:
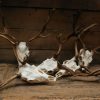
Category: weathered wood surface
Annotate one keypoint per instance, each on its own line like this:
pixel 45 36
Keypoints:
pixel 37 56
pixel 27 22
pixel 68 4
pixel 63 89
pixel 24 23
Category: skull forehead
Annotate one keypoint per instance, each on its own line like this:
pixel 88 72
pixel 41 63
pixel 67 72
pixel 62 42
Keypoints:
pixel 22 43
pixel 22 48
pixel 48 64
pixel 85 54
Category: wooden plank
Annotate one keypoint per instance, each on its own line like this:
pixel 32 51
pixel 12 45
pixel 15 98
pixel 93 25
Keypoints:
pixel 31 20
pixel 24 23
pixel 68 4
pixel 91 39
pixel 87 18
pixel 15 90
pixel 0 20
pixel 34 19
pixel 37 56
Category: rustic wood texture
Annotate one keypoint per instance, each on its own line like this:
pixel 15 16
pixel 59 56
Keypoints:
pixel 37 56
pixel 63 89
pixel 24 23
pixel 68 4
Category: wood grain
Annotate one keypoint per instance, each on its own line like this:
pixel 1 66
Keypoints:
pixel 23 23
pixel 37 56
pixel 62 89
pixel 68 4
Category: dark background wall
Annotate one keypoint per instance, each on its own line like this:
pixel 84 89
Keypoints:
pixel 25 18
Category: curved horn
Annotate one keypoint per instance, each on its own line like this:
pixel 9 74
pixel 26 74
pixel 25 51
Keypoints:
pixel 76 52
pixel 76 48
pixel 10 38
pixel 87 28
pixel 37 36
pixel 60 41
pixel 14 43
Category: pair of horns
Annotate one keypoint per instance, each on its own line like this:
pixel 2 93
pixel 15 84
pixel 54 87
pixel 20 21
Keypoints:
pixel 78 31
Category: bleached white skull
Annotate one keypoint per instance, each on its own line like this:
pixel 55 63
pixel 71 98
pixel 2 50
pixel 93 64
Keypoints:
pixel 48 65
pixel 22 51
pixel 86 57
pixel 32 74
pixel 71 64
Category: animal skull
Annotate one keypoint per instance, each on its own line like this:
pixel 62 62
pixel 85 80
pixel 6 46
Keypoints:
pixel 27 72
pixel 48 65
pixel 71 64
pixel 32 74
pixel 22 51
pixel 86 59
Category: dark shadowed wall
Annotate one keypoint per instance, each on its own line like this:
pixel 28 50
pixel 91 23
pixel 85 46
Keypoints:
pixel 25 18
